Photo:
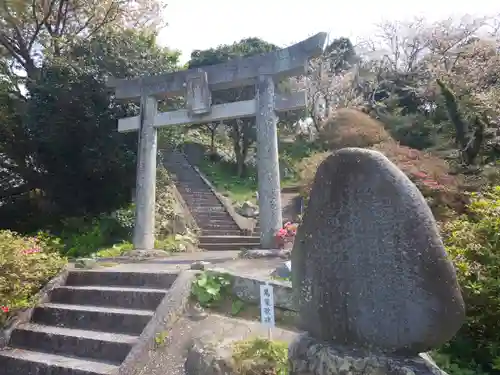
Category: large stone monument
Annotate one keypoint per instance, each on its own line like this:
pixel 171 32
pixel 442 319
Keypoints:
pixel 196 85
pixel 371 277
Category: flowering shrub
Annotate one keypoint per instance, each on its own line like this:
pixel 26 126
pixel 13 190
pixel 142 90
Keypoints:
pixel 26 264
pixel 286 234
pixel 473 243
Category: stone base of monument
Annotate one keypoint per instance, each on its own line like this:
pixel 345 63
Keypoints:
pixel 146 254
pixel 307 356
pixel 266 253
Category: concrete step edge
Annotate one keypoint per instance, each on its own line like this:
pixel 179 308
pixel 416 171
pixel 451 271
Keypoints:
pixel 150 280
pixel 80 333
pixel 54 360
pixel 225 237
pixel 97 309
pixel 99 288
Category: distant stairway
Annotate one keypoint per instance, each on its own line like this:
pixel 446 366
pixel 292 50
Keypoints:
pixel 218 229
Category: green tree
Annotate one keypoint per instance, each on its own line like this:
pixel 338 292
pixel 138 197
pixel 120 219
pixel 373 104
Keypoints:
pixel 33 30
pixel 61 142
pixel 241 131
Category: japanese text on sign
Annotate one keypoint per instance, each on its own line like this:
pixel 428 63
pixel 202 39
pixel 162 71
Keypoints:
pixel 267 305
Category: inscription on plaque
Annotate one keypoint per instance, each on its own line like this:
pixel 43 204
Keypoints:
pixel 198 95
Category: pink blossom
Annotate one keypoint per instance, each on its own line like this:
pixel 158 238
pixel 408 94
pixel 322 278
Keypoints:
pixel 32 251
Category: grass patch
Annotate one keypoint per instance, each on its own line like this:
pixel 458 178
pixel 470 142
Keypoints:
pixel 260 356
pixel 114 251
pixel 222 174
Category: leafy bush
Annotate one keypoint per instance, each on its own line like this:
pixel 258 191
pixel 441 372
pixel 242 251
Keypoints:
pixel 450 365
pixel 431 174
pixel 27 264
pixel 473 242
pixel 414 130
pixel 177 242
pixel 209 288
pixel 352 128
pixel 84 236
pixel 114 251
pixel 260 356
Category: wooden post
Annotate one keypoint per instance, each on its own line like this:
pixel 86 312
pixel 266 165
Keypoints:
pixel 144 229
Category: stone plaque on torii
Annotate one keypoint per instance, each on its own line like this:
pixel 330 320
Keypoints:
pixel 196 85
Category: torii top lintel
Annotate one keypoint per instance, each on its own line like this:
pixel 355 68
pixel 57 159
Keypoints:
pixel 289 61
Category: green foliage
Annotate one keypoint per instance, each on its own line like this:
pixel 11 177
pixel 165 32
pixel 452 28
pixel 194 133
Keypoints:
pixel 223 175
pixel 449 364
pixel 27 264
pixel 341 55
pixel 243 48
pixel 176 243
pixel 114 251
pixel 292 154
pixel 473 242
pixel 126 54
pixel 241 131
pixel 237 306
pixel 164 205
pixel 83 236
pixel 210 287
pixel 260 356
pixel 66 129
pixel 161 339
pixel 171 136
pixel 74 131
pixel 454 113
pixel 125 218
pixel 412 130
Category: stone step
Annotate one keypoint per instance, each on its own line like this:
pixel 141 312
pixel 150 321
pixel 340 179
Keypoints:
pixel 108 296
pixel 94 318
pixel 128 279
pixel 101 346
pixel 228 239
pixel 227 246
pixel 227 227
pixel 209 199
pixel 221 232
pixel 208 210
pixel 223 221
pixel 26 362
pixel 214 216
pixel 196 191
pixel 189 189
pixel 232 231
pixel 202 201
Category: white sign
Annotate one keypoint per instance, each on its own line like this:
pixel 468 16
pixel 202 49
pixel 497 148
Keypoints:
pixel 267 305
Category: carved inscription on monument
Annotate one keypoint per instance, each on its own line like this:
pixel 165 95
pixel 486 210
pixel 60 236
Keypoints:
pixel 198 95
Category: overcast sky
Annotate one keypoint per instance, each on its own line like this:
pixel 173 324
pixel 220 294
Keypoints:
pixel 201 24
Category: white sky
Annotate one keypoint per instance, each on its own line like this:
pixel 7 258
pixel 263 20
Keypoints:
pixel 202 24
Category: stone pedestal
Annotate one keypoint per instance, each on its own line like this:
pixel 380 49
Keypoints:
pixel 307 356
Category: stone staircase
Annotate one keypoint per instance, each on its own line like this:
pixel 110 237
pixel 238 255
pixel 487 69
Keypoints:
pixel 89 325
pixel 218 229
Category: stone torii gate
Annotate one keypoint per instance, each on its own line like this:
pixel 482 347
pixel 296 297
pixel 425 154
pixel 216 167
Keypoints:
pixel 196 86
